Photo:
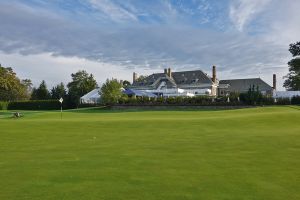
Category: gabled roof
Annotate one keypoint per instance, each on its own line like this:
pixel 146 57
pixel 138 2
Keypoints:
pixel 196 77
pixel 245 84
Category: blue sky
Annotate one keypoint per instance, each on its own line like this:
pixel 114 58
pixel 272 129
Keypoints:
pixel 49 40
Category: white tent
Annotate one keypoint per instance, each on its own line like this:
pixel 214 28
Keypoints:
pixel 93 97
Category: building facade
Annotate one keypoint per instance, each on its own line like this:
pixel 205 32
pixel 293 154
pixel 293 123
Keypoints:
pixel 195 83
pixel 170 84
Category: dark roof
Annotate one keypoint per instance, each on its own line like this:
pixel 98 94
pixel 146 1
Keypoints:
pixel 245 84
pixel 195 78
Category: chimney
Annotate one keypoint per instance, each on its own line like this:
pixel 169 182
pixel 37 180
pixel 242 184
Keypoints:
pixel 274 81
pixel 165 71
pixel 214 74
pixel 169 72
pixel 135 76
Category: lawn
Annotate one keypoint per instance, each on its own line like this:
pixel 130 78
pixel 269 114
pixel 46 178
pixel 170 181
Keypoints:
pixel 168 155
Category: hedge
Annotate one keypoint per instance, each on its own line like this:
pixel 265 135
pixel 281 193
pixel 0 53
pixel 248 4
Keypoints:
pixel 34 105
pixel 3 105
pixel 295 100
pixel 180 101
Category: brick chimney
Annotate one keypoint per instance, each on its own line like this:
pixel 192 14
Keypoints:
pixel 274 81
pixel 214 74
pixel 170 72
pixel 135 76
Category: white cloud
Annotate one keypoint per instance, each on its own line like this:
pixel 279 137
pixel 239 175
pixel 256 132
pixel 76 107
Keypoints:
pixel 55 69
pixel 113 11
pixel 28 38
pixel 243 11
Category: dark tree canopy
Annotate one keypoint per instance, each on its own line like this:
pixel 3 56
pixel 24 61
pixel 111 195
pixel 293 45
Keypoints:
pixel 81 83
pixel 11 87
pixel 58 91
pixel 111 91
pixel 126 84
pixel 293 77
pixel 41 93
pixel 295 49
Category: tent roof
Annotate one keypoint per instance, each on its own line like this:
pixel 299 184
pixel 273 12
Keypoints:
pixel 92 94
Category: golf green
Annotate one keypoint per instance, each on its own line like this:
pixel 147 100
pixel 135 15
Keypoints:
pixel 96 154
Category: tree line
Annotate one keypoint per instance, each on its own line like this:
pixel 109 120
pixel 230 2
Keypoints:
pixel 14 89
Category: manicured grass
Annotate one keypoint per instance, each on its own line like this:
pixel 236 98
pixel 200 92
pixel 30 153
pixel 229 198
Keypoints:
pixel 93 154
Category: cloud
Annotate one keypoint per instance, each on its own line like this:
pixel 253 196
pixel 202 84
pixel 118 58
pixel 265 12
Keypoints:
pixel 243 11
pixel 113 10
pixel 45 38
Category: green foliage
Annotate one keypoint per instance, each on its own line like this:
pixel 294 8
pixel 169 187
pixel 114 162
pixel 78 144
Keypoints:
pixel 295 100
pixel 252 97
pixel 126 84
pixel 283 101
pixel 293 77
pixel 34 105
pixel 11 87
pixel 81 83
pixel 3 105
pixel 111 92
pixel 58 91
pixel 295 49
pixel 41 93
pixel 180 100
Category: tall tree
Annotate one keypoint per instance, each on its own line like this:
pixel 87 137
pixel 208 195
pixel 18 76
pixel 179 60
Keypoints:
pixel 293 77
pixel 81 83
pixel 126 84
pixel 111 91
pixel 58 91
pixel 11 87
pixel 41 93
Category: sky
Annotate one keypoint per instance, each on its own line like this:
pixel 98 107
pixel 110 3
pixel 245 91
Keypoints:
pixel 49 40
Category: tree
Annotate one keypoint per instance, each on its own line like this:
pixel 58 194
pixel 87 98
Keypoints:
pixel 295 49
pixel 293 77
pixel 81 83
pixel 11 87
pixel 58 91
pixel 111 91
pixel 126 84
pixel 253 96
pixel 40 93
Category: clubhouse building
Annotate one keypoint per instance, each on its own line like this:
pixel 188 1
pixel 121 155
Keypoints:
pixel 187 83
pixel 195 83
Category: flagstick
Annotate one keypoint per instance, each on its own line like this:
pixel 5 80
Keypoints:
pixel 61 101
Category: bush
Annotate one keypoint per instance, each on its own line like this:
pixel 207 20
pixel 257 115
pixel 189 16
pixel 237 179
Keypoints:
pixel 283 101
pixel 295 100
pixel 3 105
pixel 34 105
pixel 87 105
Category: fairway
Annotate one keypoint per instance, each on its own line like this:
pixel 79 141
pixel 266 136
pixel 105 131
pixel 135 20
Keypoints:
pixel 163 155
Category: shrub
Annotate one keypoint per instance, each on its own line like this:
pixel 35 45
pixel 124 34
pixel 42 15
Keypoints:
pixel 34 105
pixel 3 105
pixel 283 101
pixel 86 105
pixel 295 100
